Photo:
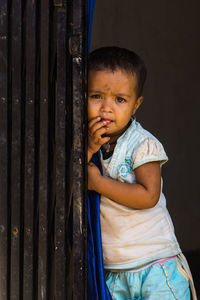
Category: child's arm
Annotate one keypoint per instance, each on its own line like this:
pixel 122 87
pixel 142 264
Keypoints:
pixel 96 129
pixel 143 194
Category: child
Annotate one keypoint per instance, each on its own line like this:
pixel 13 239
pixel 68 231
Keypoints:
pixel 142 258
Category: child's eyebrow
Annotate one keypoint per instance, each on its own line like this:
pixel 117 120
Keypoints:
pixel 93 91
pixel 123 95
pixel 116 94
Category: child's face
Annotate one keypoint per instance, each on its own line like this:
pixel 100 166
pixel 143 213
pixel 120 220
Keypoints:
pixel 112 96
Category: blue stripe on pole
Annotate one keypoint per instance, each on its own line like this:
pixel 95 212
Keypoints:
pixel 97 288
pixel 91 4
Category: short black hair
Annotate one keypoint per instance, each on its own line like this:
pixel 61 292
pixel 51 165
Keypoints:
pixel 113 58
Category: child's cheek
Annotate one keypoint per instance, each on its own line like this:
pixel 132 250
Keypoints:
pixel 92 113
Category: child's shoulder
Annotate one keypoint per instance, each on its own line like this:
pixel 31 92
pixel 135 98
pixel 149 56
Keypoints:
pixel 143 146
pixel 137 135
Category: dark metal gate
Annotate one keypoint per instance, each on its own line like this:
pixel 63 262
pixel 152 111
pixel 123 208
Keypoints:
pixel 43 50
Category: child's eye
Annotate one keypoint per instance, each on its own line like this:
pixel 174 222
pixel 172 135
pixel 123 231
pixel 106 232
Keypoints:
pixel 96 96
pixel 120 100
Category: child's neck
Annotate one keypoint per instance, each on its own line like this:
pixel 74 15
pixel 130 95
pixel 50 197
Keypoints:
pixel 108 148
pixel 113 139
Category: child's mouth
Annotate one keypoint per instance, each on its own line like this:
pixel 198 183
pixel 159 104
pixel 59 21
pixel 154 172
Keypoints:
pixel 106 120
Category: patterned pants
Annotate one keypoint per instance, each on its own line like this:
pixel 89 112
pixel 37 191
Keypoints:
pixel 163 280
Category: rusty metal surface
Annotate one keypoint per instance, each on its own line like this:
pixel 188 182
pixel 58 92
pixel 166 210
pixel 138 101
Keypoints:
pixel 4 154
pixel 61 150
pixel 43 179
pixel 58 3
pixel 29 163
pixel 43 126
pixel 15 186
pixel 78 50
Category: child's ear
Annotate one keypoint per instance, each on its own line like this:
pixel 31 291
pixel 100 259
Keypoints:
pixel 137 104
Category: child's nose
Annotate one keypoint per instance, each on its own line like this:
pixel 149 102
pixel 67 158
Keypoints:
pixel 106 105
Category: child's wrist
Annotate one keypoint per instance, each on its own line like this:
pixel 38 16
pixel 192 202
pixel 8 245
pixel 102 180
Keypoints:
pixel 90 154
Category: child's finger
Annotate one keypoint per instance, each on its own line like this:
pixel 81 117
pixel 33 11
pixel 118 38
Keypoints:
pixel 97 122
pixel 98 133
pixel 104 140
pixel 93 121
pixel 97 126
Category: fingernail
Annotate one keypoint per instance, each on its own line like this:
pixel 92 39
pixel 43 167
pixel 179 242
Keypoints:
pixel 98 118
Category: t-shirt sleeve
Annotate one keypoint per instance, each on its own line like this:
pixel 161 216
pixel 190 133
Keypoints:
pixel 148 151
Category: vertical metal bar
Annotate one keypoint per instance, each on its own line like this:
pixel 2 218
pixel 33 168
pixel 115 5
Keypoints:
pixel 58 3
pixel 79 55
pixel 30 151
pixel 3 149
pixel 16 55
pixel 51 152
pixel 69 162
pixel 43 154
pixel 60 123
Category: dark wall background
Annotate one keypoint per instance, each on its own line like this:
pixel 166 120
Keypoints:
pixel 166 35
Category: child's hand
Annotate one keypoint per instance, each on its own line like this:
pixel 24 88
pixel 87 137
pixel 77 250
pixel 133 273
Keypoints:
pixel 93 176
pixel 96 128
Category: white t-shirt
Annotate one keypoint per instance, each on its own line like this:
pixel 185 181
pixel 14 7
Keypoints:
pixel 133 237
